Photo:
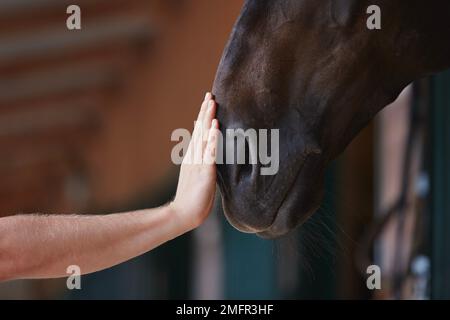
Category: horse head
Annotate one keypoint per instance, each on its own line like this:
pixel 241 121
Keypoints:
pixel 315 71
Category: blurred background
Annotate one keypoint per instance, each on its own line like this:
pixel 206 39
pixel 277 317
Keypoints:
pixel 85 124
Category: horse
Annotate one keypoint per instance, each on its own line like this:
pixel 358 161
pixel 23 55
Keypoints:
pixel 318 73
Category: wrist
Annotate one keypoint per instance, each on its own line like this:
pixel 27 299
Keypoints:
pixel 186 220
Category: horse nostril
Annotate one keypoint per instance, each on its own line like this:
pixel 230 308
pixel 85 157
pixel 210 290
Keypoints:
pixel 245 170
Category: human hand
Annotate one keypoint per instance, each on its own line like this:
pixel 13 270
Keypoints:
pixel 197 182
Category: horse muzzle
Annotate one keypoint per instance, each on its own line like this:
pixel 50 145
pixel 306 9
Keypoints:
pixel 271 206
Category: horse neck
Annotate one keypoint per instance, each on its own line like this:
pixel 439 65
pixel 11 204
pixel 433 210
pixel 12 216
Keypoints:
pixel 424 37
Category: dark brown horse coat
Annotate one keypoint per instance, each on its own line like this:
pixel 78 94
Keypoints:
pixel 315 71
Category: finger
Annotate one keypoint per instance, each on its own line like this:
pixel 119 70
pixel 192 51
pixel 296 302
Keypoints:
pixel 204 106
pixel 211 147
pixel 198 126
pixel 196 144
pixel 194 153
pixel 208 118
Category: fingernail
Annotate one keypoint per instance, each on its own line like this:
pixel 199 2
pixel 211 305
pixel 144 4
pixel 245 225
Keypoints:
pixel 210 105
pixel 207 96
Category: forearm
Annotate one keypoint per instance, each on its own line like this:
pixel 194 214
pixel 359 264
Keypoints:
pixel 37 246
